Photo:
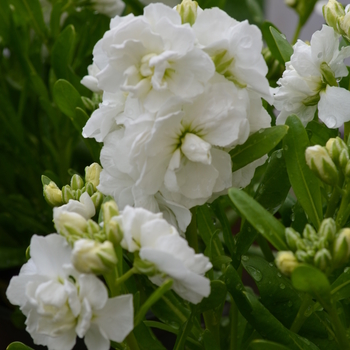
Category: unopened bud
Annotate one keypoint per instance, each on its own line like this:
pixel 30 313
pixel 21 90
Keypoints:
pixel 89 105
pixel 347 169
pixel 89 188
pixel 109 209
pixel 323 259
pixel 76 182
pixel 113 232
pixel 343 24
pixel 341 248
pixel 335 147
pixel 92 174
pixel 290 3
pixel 328 74
pixel 302 256
pixel 328 229
pixel 89 256
pixel 52 194
pixel 70 224
pixel 92 228
pixel 188 11
pixel 310 233
pixel 286 262
pixel 97 199
pixel 292 238
pixel 331 12
pixel 319 161
pixel 67 194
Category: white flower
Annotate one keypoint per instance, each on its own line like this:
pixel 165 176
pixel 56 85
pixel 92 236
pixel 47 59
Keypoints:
pixel 310 81
pixel 60 303
pixel 73 216
pixel 159 243
pixel 153 57
pixel 90 81
pixel 235 48
pixel 109 8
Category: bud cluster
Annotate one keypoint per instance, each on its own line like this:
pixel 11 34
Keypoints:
pixel 337 17
pixel 329 163
pixel 57 197
pixel 326 249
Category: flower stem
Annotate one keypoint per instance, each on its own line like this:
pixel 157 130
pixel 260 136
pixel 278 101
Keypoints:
pixel 296 33
pixel 346 131
pixel 191 232
pixel 234 325
pixel 333 201
pixel 300 317
pixel 126 276
pixel 339 329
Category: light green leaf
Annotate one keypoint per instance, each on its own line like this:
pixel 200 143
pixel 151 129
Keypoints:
pixel 305 184
pixel 18 346
pixel 264 222
pixel 283 46
pixel 257 145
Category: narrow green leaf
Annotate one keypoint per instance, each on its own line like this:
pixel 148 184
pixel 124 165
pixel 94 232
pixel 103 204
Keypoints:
pixel 256 11
pixel 283 46
pixel 264 222
pixel 55 18
pixel 304 9
pixel 184 333
pixel 18 346
pixel 67 98
pixel 260 344
pixel 305 184
pixel 341 286
pixel 217 296
pixel 271 194
pixel 257 145
pixel 309 279
pixel 146 339
pixel 270 41
pixel 33 8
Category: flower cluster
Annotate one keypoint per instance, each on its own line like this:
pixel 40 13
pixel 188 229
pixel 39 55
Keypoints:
pixel 181 88
pixel 61 303
pixel 310 81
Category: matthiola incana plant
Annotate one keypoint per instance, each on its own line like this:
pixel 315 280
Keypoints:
pixel 195 171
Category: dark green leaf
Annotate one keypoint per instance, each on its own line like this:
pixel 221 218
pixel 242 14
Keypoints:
pixel 283 46
pixel 257 145
pixel 260 344
pixel 264 222
pixel 18 346
pixel 271 194
pixel 305 184
pixel 270 41
pixel 319 134
pixel 341 286
pixel 209 341
pixel 217 296
pixel 256 11
pixel 12 256
pixel 304 9
pixel 146 339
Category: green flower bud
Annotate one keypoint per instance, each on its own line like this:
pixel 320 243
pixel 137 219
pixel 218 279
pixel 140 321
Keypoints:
pixel 113 232
pixel 309 233
pixel 78 193
pixel 286 262
pixel 89 105
pixel 300 244
pixel 343 24
pixel 328 74
pixel 72 226
pixel 292 238
pixel 341 248
pixel 291 3
pixel 188 11
pixel 302 256
pixel 328 229
pixel 76 182
pixel 319 161
pixel 331 12
pixel 335 147
pixel 323 259
pixel 67 193
pixel 52 194
pixel 92 174
pixel 97 199
pixel 109 209
pixel 89 256
pixel 92 228
pixel 89 188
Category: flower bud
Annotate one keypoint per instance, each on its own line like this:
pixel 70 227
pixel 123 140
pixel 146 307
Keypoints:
pixel 343 24
pixel 347 170
pixel 188 11
pixel 328 229
pixel 338 150
pixel 292 238
pixel 319 161
pixel 70 225
pixel 76 182
pixel 67 194
pixel 286 262
pixel 89 105
pixel 291 3
pixel 341 248
pixel 323 259
pixel 97 199
pixel 92 174
pixel 309 233
pixel 89 256
pixel 113 232
pixel 109 209
pixel 331 12
pixel 89 188
pixel 92 228
pixel 302 256
pixel 52 194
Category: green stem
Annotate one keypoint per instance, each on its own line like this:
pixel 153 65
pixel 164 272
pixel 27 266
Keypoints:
pixel 346 132
pixel 212 323
pixel 126 276
pixel 132 342
pixel 344 210
pixel 234 325
pixel 265 248
pixel 296 33
pixel 191 232
pixel 300 317
pixel 333 201
pixel 339 329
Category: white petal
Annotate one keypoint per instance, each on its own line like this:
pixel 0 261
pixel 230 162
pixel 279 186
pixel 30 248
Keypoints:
pixel 196 149
pixel 95 340
pixel 93 290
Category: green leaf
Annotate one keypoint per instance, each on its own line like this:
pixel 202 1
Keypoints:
pixel 283 46
pixel 270 41
pixel 146 339
pixel 341 286
pixel 217 296
pixel 271 194
pixel 319 134
pixel 67 99
pixel 257 145
pixel 18 346
pixel 264 222
pixel 305 184
pixel 304 9
pixel 55 18
pixel 260 344
pixel 311 280
pixel 62 53
pixel 12 256
pixel 256 11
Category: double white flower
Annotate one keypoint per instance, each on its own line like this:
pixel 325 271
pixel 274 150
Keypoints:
pixel 310 81
pixel 61 303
